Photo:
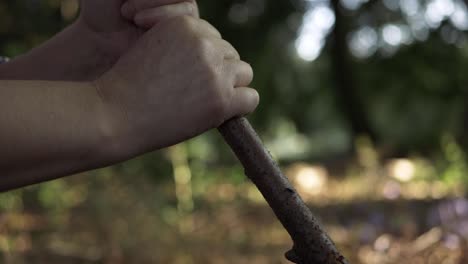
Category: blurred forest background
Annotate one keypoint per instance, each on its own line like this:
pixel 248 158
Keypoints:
pixel 363 104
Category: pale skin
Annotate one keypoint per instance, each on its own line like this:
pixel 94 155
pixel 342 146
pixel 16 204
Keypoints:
pixel 89 47
pixel 171 83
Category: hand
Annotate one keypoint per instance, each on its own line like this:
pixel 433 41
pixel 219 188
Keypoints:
pixel 179 80
pixel 113 34
pixel 147 13
pixel 90 46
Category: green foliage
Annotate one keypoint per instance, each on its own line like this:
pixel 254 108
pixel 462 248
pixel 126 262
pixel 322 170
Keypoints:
pixel 456 168
pixel 414 95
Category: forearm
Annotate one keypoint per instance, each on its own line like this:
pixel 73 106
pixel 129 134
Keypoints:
pixel 72 55
pixel 49 130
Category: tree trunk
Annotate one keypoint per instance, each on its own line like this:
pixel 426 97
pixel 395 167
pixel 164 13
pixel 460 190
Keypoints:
pixel 311 244
pixel 348 100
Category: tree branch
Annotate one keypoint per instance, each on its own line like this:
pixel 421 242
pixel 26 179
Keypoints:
pixel 311 243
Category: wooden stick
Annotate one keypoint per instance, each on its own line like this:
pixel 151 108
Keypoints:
pixel 311 244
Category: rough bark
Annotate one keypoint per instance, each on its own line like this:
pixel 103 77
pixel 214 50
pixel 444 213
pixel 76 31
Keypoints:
pixel 311 244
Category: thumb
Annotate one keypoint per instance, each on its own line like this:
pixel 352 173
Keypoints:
pixel 243 102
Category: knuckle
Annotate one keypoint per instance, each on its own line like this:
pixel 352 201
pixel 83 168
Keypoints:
pixel 207 52
pixel 185 21
pixel 244 73
pixel 230 46
pixel 204 45
pixel 209 27
pixel 230 49
pixel 190 7
pixel 236 54
pixel 249 72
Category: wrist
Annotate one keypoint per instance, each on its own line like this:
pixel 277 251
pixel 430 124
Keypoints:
pixel 90 55
pixel 52 129
pixel 114 136
pixel 99 54
pixel 75 54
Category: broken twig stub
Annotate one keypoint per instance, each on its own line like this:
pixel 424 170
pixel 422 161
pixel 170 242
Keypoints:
pixel 311 244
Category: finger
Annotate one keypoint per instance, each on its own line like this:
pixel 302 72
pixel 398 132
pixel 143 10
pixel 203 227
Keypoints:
pixel 241 72
pixel 131 7
pixel 207 29
pixel 199 27
pixel 243 102
pixel 230 53
pixel 149 17
pixel 197 10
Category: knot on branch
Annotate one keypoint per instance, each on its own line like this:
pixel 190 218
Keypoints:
pixel 291 256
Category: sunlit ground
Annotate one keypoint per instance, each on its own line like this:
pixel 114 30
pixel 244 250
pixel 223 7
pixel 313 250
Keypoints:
pixel 394 211
pixel 196 209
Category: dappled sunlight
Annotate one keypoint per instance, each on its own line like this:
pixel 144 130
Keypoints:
pixel 396 35
pixel 389 181
pixel 286 142
pixel 228 218
pixel 183 185
pixel 402 169
pixel 317 23
pixel 428 248
pixel 381 211
pixel 363 43
pixel 309 180
pixel 69 9
pixel 421 18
